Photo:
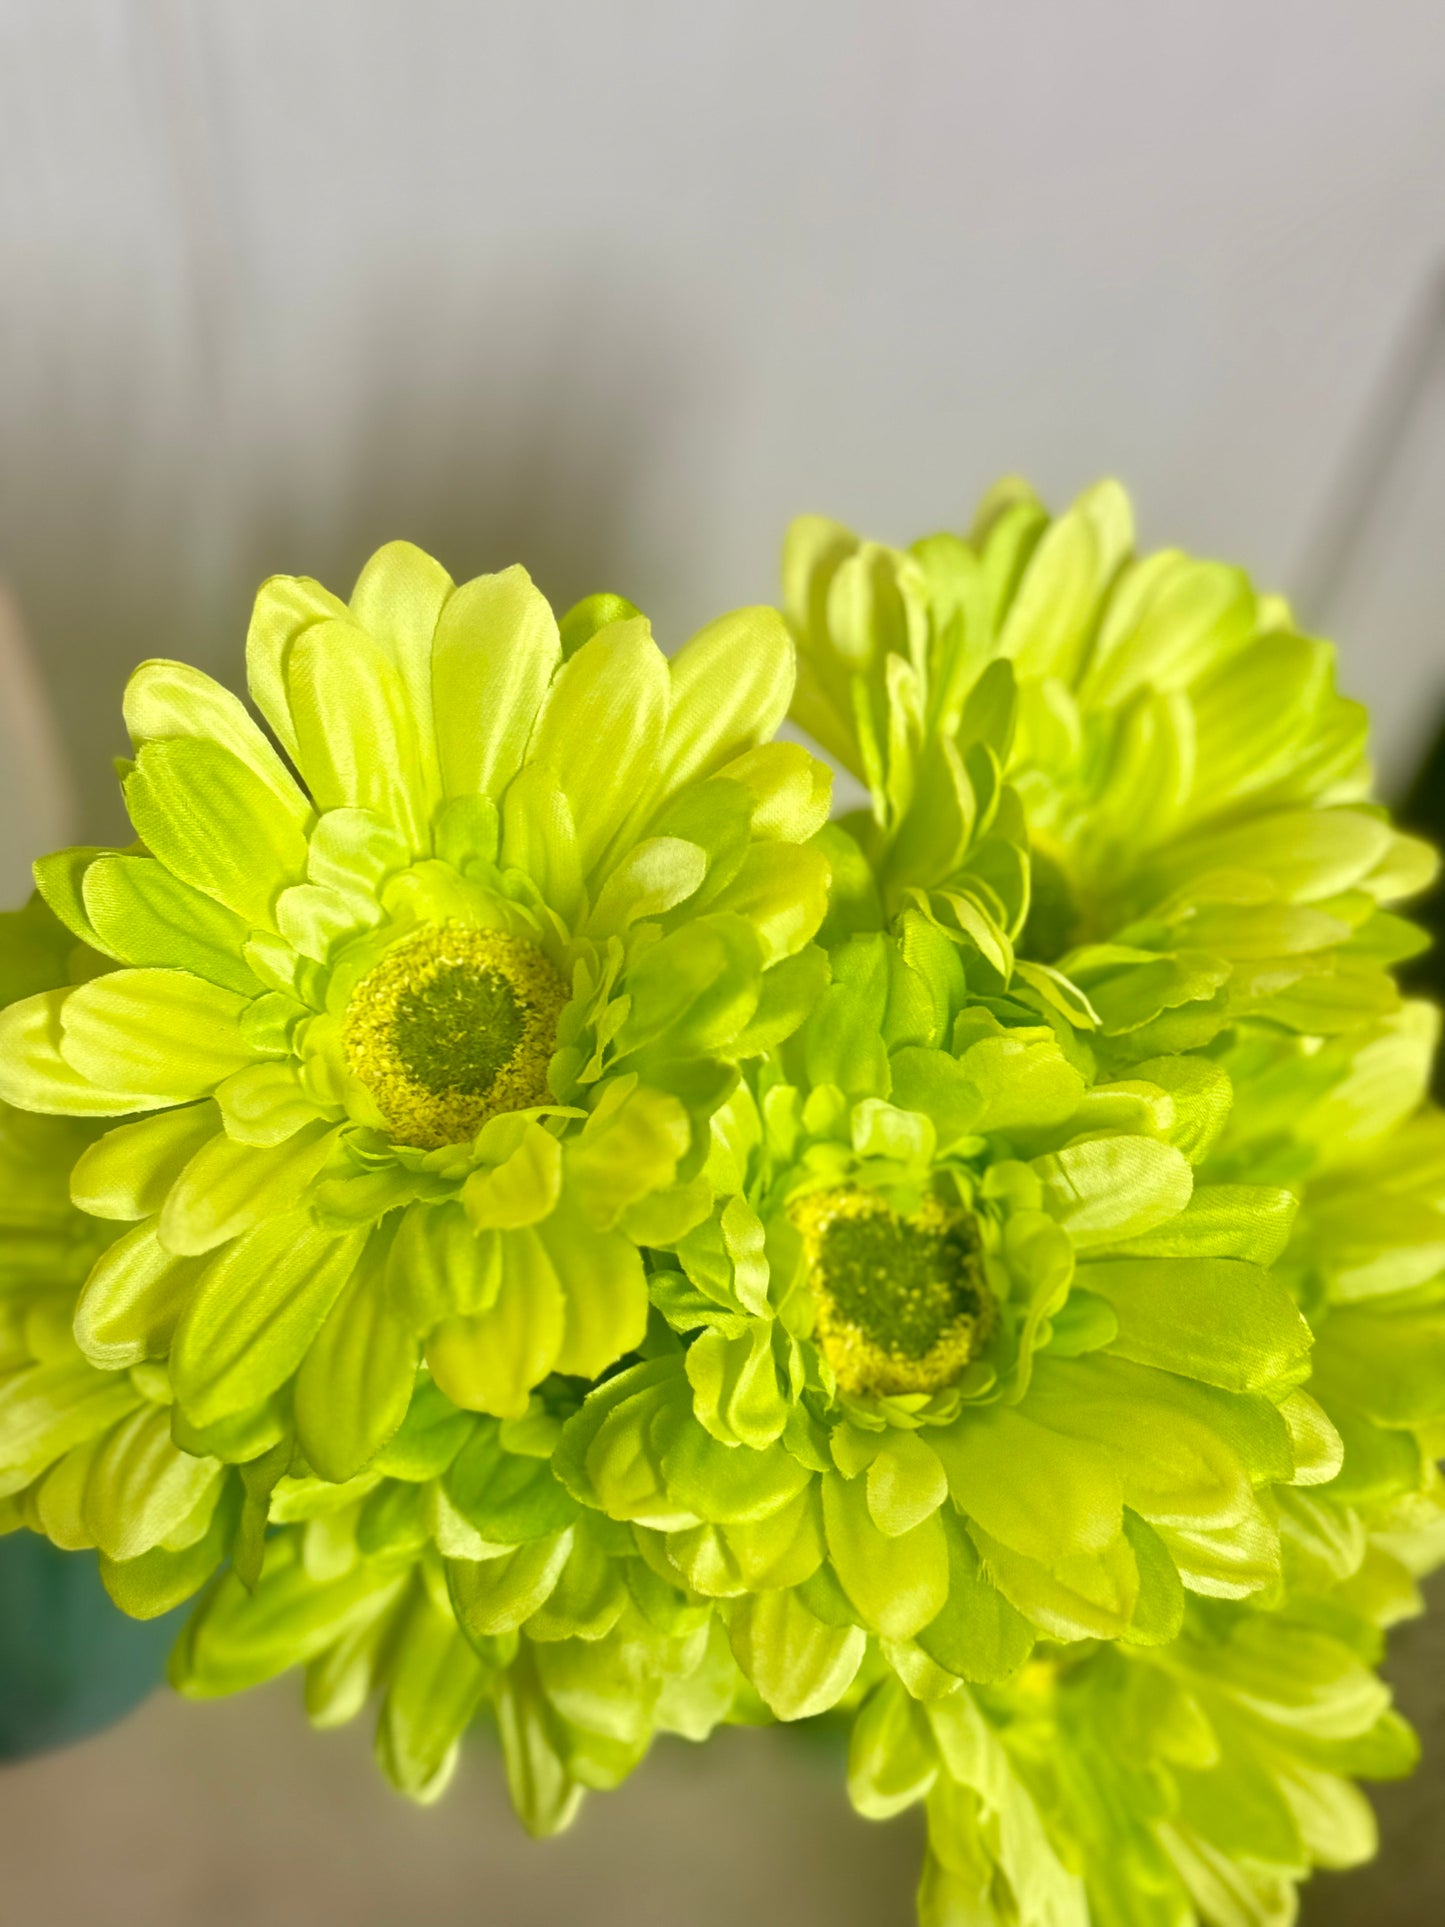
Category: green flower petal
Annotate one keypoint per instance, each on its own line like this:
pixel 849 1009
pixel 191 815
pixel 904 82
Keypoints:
pixel 237 1639
pixel 216 825
pixel 227 1188
pixel 158 1031
pixel 141 1490
pixel 498 1595
pixel 134 1299
pixel 977 1635
pixel 399 598
pixel 799 1665
pixel 731 685
pixel 434 1690
pixel 898 1582
pixel 356 743
pixel 256 1310
pixel 1218 1320
pixel 496 651
pixel 600 733
pixel 355 1382
pixel 490 1361
pixel 34 1074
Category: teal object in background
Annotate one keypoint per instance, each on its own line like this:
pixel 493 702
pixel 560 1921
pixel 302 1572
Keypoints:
pixel 69 1661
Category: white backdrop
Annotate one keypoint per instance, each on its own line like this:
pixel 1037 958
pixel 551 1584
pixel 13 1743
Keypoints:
pixel 615 288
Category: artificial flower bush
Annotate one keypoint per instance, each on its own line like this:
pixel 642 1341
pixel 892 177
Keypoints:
pixel 528 1219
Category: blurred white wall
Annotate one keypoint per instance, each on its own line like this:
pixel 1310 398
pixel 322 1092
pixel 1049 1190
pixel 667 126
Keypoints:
pixel 617 288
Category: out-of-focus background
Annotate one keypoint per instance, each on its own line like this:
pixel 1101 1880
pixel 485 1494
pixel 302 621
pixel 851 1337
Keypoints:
pixel 615 290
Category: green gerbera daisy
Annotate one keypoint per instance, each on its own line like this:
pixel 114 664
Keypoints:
pixel 970 1358
pixel 1134 1786
pixel 1119 1786
pixel 418 1039
pixel 457 1580
pixel 1133 774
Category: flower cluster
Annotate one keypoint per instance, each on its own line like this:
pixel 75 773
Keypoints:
pixel 521 1216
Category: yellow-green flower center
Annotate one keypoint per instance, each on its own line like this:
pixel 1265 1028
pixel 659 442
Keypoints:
pixel 451 1027
pixel 902 1302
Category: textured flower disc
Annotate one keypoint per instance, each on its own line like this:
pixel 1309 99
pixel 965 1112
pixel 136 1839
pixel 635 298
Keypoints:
pixel 902 1303
pixel 452 1027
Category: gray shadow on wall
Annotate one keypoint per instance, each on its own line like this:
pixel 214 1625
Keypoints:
pixel 486 432
pixel 529 445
